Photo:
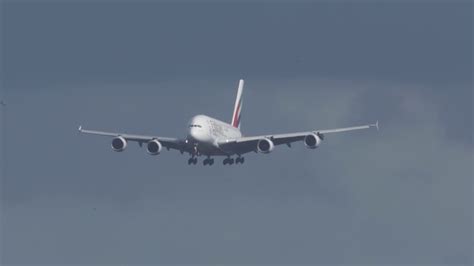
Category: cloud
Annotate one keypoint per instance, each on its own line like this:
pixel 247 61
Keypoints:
pixel 408 187
pixel 400 195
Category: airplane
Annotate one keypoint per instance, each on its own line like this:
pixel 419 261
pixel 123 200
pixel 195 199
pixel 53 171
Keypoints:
pixel 210 137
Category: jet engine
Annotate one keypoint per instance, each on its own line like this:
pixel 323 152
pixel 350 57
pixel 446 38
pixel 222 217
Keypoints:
pixel 265 145
pixel 154 147
pixel 312 141
pixel 119 143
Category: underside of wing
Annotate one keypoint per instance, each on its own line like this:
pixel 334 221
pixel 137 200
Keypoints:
pixel 266 143
pixel 154 144
pixel 262 144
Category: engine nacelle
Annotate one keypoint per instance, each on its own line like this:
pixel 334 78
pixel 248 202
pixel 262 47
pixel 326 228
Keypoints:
pixel 265 146
pixel 312 141
pixel 154 147
pixel 119 143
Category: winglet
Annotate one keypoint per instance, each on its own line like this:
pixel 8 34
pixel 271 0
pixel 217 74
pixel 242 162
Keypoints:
pixel 80 129
pixel 377 125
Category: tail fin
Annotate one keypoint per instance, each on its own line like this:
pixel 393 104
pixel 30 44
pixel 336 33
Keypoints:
pixel 238 105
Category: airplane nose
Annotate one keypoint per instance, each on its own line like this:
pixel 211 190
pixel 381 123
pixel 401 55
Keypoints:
pixel 196 134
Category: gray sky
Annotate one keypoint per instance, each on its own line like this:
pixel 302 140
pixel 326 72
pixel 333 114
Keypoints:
pixel 402 195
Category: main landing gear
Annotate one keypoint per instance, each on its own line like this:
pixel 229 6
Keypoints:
pixel 192 160
pixel 208 161
pixel 230 161
pixel 240 160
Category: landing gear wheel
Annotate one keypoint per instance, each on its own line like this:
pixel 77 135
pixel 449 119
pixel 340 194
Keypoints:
pixel 231 161
pixel 240 160
pixel 208 161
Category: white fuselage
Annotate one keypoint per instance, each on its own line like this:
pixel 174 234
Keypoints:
pixel 205 132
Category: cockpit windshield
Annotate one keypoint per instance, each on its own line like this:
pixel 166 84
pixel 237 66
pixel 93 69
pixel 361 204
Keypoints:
pixel 193 125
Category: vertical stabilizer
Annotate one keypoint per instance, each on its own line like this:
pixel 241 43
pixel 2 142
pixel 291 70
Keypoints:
pixel 238 105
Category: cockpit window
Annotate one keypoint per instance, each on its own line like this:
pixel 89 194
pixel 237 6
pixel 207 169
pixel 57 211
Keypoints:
pixel 195 125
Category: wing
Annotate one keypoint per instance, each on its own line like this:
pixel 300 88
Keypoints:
pixel 169 143
pixel 249 144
